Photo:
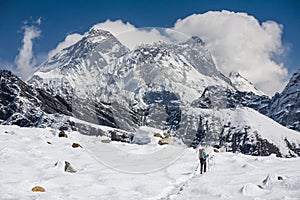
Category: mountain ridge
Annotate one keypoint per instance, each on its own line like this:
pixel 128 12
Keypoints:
pixel 174 87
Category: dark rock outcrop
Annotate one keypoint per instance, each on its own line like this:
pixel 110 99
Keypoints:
pixel 22 105
pixel 285 106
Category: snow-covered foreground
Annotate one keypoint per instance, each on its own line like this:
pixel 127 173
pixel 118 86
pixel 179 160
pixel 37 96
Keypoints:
pixel 31 157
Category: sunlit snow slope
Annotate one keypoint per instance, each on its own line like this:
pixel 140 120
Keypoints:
pixel 31 156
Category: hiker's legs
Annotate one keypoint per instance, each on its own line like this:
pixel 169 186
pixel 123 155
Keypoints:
pixel 202 162
pixel 201 166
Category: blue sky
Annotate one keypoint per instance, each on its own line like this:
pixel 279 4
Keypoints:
pixel 60 18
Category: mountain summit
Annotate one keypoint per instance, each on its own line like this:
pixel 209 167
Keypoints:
pixel 242 84
pixel 173 87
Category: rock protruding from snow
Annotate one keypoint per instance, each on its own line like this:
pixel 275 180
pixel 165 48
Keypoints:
pixel 38 189
pixel 164 141
pixel 120 136
pixel 69 168
pixel 195 41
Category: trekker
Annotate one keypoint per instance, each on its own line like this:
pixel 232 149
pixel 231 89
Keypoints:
pixel 202 156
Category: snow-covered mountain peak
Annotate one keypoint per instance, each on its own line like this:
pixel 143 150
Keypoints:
pixel 294 83
pixel 97 35
pixel 80 63
pixel 242 84
pixel 195 41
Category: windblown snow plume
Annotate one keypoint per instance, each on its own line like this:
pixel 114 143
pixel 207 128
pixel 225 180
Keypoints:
pixel 69 41
pixel 25 61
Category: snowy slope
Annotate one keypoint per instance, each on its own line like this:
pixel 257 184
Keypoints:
pixel 242 130
pixel 243 177
pixel 266 127
pixel 31 157
pixel 242 84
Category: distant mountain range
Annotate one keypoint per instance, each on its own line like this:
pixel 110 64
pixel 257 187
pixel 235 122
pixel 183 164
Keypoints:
pixel 174 87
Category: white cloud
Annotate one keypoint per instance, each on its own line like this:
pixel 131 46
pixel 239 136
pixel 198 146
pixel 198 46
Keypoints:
pixel 240 43
pixel 129 35
pixel 69 41
pixel 25 61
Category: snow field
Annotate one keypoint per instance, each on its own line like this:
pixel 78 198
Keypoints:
pixel 27 160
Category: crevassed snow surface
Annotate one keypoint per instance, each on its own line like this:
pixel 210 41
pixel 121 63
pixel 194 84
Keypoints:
pixel 28 160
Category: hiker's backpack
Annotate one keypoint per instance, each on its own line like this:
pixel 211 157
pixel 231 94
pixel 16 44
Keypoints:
pixel 202 154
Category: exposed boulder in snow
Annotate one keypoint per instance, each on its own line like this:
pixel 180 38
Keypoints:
pixel 69 168
pixel 158 135
pixel 167 135
pixel 165 141
pixel 63 134
pixel 76 145
pixel 38 189
pixel 120 136
pixel 106 141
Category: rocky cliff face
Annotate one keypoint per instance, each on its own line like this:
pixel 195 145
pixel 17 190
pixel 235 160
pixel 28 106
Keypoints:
pixel 23 105
pixel 285 106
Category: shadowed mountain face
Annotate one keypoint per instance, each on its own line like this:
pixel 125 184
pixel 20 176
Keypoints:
pixel 23 105
pixel 285 106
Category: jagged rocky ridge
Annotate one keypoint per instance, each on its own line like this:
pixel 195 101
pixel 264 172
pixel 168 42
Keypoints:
pixel 285 106
pixel 175 87
pixel 23 105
